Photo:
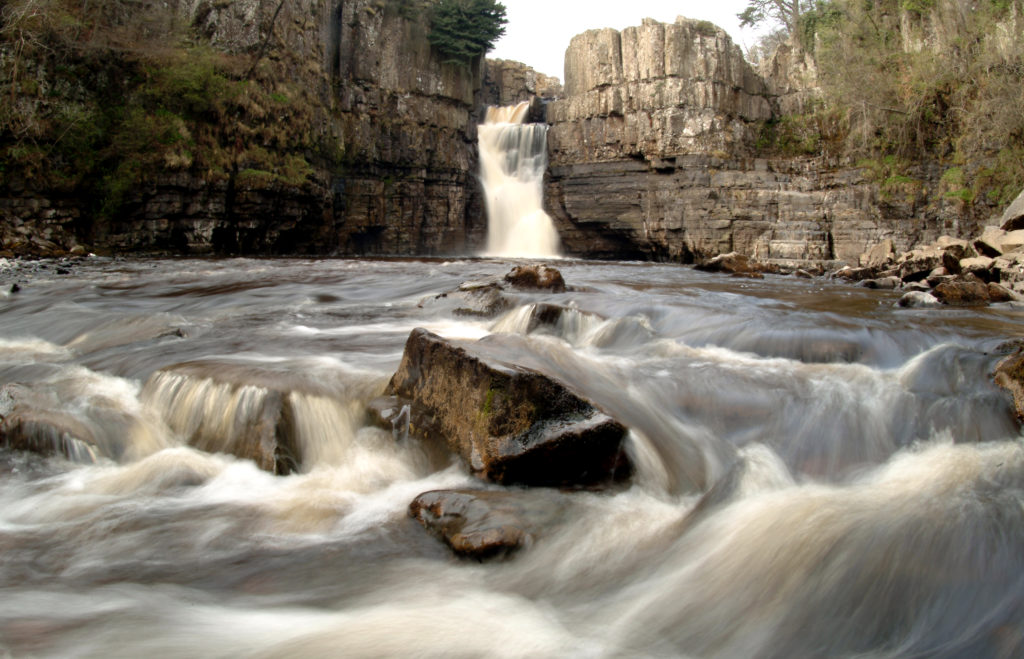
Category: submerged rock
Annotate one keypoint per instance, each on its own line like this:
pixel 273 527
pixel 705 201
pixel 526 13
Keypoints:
pixel 29 423
pixel 508 423
pixel 919 299
pixel 484 524
pixel 489 297
pixel 220 409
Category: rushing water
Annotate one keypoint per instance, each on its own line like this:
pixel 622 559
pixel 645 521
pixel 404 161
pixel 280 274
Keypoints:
pixel 868 480
pixel 513 159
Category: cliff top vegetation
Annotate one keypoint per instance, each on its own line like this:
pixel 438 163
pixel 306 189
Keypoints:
pixel 907 83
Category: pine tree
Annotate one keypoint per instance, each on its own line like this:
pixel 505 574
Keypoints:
pixel 463 29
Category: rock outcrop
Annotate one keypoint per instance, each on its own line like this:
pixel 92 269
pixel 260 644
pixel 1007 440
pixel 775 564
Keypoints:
pixel 654 154
pixel 509 424
pixel 352 137
pixel 509 83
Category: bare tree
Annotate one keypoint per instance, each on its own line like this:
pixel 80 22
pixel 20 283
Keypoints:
pixel 786 12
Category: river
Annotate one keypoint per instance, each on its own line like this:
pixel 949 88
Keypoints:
pixel 878 510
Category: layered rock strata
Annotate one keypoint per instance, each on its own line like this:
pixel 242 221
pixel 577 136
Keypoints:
pixel 654 154
pixel 352 137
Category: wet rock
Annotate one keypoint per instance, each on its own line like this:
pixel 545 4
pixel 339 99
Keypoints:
pixel 29 423
pixel 485 300
pixel 998 293
pixel 736 264
pixel 921 286
pixel 221 408
pixel 962 293
pixel 508 423
pixel 489 297
pixel 536 277
pixel 486 524
pixel 1009 374
pixel 855 274
pixel 802 274
pixel 885 283
pixel 919 299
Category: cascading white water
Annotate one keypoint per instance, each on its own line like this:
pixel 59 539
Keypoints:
pixel 513 157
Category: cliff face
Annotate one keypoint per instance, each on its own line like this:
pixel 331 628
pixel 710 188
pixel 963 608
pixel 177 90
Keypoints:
pixel 654 153
pixel 344 133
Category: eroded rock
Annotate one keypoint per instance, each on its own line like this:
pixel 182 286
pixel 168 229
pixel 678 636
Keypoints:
pixel 485 524
pixel 29 422
pixel 1009 374
pixel 536 277
pixel 508 423
pixel 736 264
pixel 962 293
pixel 230 409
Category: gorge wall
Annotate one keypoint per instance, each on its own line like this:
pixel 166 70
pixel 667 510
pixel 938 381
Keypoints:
pixel 654 153
pixel 331 127
pixel 335 129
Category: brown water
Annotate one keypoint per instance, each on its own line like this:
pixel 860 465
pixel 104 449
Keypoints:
pixel 875 505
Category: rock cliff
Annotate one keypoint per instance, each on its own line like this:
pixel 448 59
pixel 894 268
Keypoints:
pixel 654 153
pixel 349 135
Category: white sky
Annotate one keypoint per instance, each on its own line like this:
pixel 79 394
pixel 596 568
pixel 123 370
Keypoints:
pixel 538 31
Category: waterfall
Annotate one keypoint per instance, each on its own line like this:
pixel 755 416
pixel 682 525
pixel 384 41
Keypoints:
pixel 513 157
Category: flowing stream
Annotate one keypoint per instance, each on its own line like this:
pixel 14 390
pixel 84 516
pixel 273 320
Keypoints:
pixel 513 159
pixel 866 477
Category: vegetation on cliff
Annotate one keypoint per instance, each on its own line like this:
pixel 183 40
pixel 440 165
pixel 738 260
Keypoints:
pixel 105 97
pixel 912 84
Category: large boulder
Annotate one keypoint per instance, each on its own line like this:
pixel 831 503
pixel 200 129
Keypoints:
pixel 485 524
pixel 962 293
pixel 508 423
pixel 1013 216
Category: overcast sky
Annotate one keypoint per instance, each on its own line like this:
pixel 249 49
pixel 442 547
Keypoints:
pixel 538 31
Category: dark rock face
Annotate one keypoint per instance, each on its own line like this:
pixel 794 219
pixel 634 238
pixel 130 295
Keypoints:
pixel 486 524
pixel 510 425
